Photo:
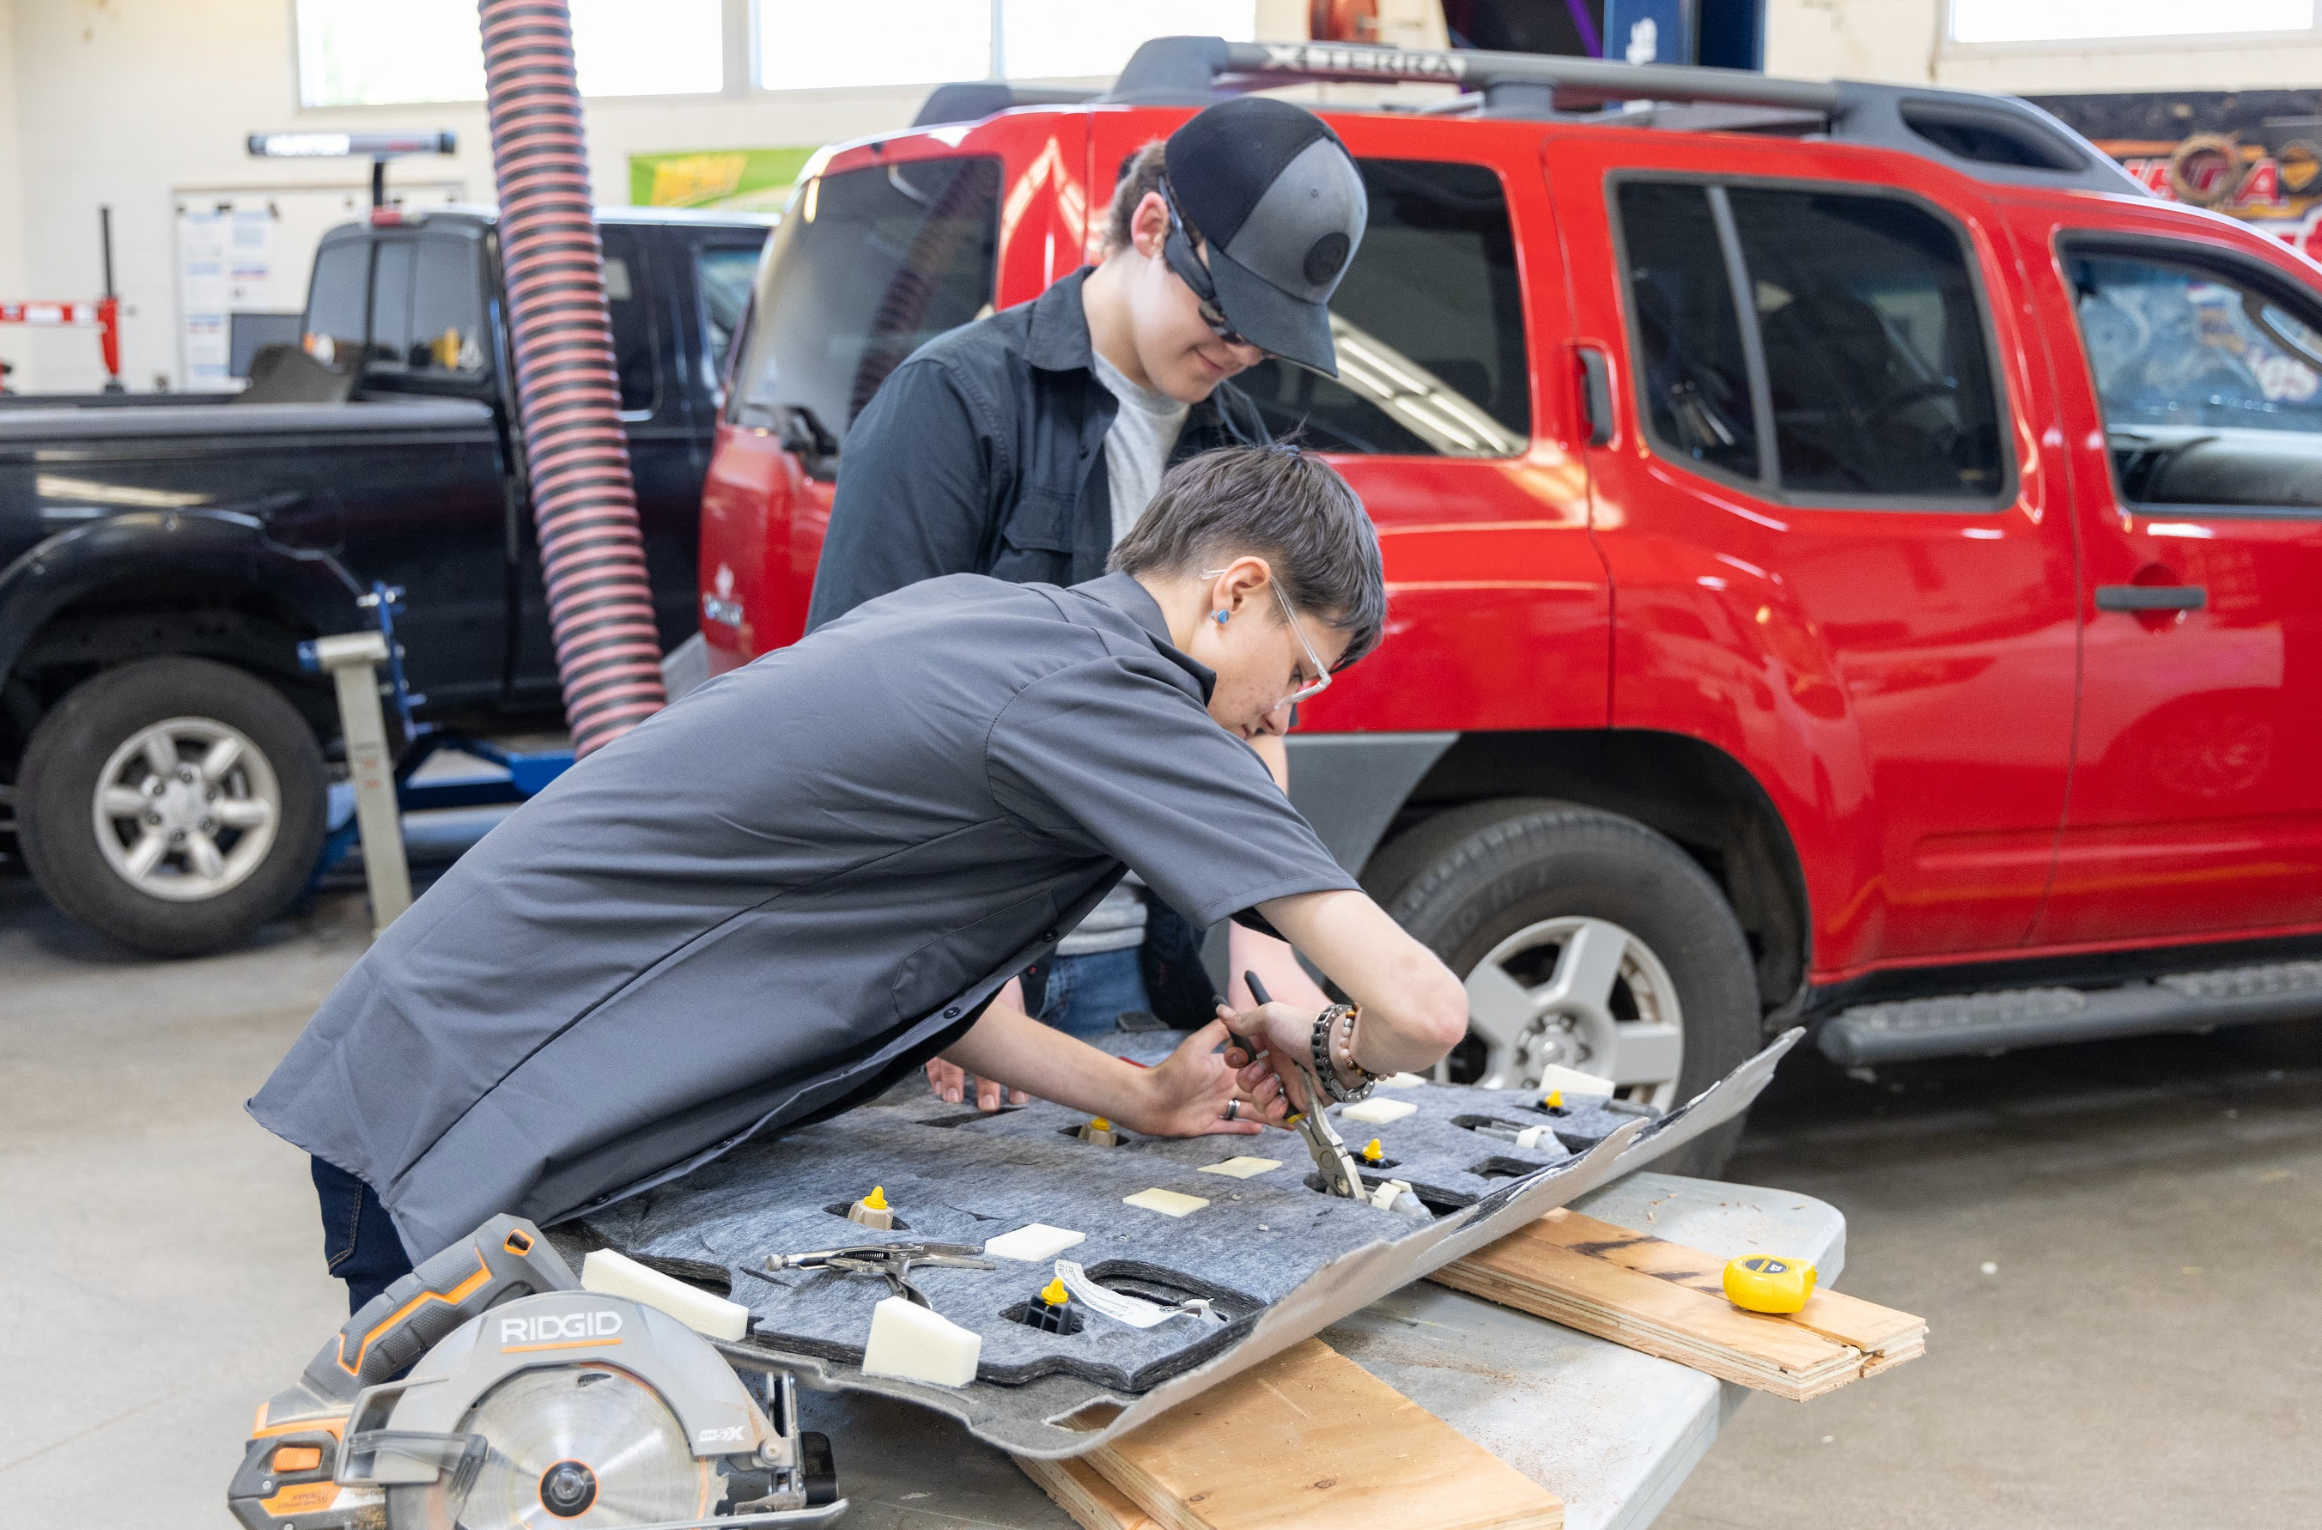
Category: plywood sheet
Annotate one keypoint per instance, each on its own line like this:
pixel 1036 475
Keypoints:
pixel 1306 1441
pixel 1668 1300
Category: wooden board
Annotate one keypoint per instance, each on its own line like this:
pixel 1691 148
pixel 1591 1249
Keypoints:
pixel 1081 1492
pixel 1669 1300
pixel 1306 1441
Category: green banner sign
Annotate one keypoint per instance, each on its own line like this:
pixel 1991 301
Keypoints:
pixel 747 180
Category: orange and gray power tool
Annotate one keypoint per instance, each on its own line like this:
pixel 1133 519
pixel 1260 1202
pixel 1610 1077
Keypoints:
pixel 486 1389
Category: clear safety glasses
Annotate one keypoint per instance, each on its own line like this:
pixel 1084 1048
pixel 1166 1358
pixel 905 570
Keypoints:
pixel 1321 682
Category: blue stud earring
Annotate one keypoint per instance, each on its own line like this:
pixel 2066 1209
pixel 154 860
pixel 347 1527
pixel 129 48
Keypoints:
pixel 1221 618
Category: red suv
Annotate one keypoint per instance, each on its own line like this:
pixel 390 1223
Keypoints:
pixel 1855 557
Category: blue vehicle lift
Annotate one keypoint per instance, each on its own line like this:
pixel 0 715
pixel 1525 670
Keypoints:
pixel 529 770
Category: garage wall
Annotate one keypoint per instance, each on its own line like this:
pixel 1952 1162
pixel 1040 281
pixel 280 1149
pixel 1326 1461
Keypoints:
pixel 12 278
pixel 126 101
pixel 1902 41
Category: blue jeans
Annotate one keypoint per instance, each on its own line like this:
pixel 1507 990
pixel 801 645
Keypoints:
pixel 360 1244
pixel 1086 994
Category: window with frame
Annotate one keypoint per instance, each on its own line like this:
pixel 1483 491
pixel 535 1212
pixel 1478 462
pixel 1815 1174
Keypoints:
pixel 365 53
pixel 1428 324
pixel 629 307
pixel 723 273
pixel 867 266
pixel 427 309
pixel 2209 379
pixel 1864 366
pixel 2076 21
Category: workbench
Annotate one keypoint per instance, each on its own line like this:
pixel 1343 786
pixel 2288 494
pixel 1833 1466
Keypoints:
pixel 1610 1431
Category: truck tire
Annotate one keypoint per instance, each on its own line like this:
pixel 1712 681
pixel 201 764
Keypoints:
pixel 1585 939
pixel 174 804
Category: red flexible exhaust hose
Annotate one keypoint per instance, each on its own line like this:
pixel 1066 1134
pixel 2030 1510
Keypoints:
pixel 584 503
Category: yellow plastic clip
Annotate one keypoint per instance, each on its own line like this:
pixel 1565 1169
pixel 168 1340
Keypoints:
pixel 1099 1124
pixel 1555 1100
pixel 1053 1294
pixel 876 1200
pixel 1372 1152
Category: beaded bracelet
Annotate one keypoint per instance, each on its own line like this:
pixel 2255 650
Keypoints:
pixel 1326 1055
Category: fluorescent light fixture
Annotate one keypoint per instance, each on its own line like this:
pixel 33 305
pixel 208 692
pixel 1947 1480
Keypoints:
pixel 351 145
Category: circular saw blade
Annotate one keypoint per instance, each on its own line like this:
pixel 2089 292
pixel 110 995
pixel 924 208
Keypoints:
pixel 610 1422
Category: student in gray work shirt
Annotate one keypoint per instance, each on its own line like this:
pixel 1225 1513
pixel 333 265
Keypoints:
pixel 980 453
pixel 785 892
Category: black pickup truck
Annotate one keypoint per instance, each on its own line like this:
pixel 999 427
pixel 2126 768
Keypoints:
pixel 166 762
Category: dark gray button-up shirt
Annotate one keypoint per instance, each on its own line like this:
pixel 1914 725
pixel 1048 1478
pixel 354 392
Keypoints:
pixel 777 896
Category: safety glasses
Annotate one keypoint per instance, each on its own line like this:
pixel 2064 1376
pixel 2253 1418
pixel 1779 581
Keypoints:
pixel 1322 678
pixel 1177 249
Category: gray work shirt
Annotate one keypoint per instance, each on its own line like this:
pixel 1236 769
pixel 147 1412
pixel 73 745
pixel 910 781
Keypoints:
pixel 778 896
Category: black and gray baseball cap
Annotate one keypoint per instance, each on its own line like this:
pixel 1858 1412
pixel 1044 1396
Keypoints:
pixel 1276 197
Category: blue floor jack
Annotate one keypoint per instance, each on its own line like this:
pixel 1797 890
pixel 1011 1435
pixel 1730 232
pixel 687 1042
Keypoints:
pixel 369 806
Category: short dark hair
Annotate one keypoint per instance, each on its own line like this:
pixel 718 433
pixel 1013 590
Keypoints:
pixel 1289 508
pixel 1144 171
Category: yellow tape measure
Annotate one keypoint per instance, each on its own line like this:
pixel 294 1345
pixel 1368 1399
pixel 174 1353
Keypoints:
pixel 1763 1283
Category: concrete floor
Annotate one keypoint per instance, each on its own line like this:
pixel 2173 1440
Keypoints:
pixel 2116 1245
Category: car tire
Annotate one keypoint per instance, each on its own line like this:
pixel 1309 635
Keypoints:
pixel 180 860
pixel 1585 939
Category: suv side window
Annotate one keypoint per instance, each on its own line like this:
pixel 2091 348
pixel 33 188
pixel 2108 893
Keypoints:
pixel 2210 383
pixel 867 266
pixel 628 302
pixel 1861 339
pixel 1689 355
pixel 1429 327
pixel 723 273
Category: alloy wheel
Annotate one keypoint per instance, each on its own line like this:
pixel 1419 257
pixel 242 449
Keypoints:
pixel 186 809
pixel 1583 993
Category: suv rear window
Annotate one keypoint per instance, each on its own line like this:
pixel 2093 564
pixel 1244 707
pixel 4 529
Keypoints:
pixel 1429 326
pixel 1861 352
pixel 867 266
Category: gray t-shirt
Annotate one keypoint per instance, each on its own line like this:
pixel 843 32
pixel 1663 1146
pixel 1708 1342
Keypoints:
pixel 1137 447
pixel 777 897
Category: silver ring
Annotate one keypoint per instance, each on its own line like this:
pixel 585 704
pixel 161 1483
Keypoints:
pixel 1233 1110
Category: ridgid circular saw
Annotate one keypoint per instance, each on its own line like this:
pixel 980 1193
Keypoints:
pixel 486 1390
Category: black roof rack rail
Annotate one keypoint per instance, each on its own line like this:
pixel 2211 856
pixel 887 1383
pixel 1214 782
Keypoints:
pixel 1991 137
pixel 974 100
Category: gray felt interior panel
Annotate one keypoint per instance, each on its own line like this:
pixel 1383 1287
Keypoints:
pixel 956 1176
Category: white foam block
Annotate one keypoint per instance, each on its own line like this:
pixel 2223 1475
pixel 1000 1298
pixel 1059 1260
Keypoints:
pixel 1402 1081
pixel 1035 1244
pixel 1377 1112
pixel 911 1343
pixel 614 1274
pixel 1167 1202
pixel 1573 1081
pixel 1242 1167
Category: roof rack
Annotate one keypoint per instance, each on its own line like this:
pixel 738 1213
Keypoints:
pixel 1991 137
pixel 974 100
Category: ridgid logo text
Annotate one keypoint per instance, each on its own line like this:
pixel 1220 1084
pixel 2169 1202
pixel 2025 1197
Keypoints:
pixel 549 1327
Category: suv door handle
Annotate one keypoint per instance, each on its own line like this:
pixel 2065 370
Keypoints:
pixel 1596 403
pixel 2151 597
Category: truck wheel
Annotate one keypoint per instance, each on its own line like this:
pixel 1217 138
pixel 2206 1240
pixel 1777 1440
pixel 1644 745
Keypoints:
pixel 1587 940
pixel 174 804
